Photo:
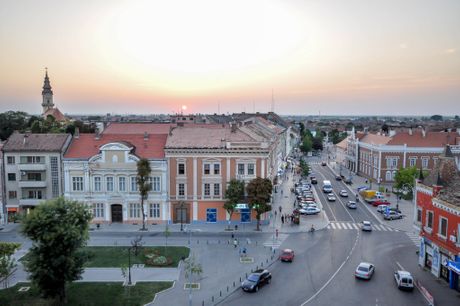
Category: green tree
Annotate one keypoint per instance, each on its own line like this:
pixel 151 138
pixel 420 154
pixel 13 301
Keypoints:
pixel 405 179
pixel 306 145
pixel 436 118
pixel 144 184
pixel 58 229
pixel 233 194
pixel 192 267
pixel 259 191
pixel 7 262
pixel 317 144
pixel 12 121
pixel 305 168
pixel 302 128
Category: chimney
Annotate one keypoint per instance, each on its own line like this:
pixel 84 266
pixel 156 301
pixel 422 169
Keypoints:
pixel 76 134
pixel 391 133
pixel 423 133
pixel 97 136
pixel 233 127
pixel 170 130
pixel 25 139
pixel 366 130
pixel 146 136
pixel 410 131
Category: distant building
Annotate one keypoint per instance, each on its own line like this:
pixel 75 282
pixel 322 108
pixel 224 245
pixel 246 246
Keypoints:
pixel 3 213
pixel 437 219
pixel 32 165
pixel 47 102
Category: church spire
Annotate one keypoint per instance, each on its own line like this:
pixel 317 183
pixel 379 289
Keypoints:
pixel 47 93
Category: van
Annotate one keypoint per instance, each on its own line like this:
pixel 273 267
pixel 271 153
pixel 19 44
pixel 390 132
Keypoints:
pixel 327 186
pixel 404 280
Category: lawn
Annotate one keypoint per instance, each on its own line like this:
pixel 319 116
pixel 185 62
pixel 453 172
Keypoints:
pixel 87 294
pixel 106 257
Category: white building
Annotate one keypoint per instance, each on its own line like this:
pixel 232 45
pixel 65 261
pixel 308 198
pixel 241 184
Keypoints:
pixel 101 171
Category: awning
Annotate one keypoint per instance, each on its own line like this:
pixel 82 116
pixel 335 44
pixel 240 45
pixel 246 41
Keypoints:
pixel 454 266
pixel 12 208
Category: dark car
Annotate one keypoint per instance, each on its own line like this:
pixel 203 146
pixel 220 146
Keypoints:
pixel 323 163
pixel 256 279
pixel 314 180
pixel 338 178
pixel 348 181
pixel 287 255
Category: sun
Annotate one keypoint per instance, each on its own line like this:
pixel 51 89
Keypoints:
pixel 184 107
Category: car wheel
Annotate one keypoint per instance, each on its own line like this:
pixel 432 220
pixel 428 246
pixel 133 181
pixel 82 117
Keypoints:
pixel 257 288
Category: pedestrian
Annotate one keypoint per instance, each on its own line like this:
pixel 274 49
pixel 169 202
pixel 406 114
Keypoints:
pixel 281 191
pixel 235 243
pixel 280 208
pixel 275 213
pixel 282 219
pixel 233 235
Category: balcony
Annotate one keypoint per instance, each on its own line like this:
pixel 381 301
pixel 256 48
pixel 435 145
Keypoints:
pixel 31 184
pixel 245 177
pixel 32 167
pixel 30 202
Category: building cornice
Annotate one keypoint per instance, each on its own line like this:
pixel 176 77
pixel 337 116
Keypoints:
pixel 424 189
pixel 450 208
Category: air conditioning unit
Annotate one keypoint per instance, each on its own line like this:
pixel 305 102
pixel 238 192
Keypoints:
pixel 453 238
pixel 23 173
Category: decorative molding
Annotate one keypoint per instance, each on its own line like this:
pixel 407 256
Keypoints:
pixel 454 210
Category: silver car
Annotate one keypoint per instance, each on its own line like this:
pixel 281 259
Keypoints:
pixel 331 197
pixel 364 270
pixel 366 226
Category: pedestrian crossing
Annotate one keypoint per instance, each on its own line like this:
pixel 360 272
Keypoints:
pixel 415 238
pixel 357 226
pixel 275 243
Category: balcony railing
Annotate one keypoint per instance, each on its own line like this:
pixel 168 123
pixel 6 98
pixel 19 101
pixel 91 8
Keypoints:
pixel 31 184
pixel 32 167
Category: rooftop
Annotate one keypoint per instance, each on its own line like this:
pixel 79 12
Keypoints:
pixel 36 142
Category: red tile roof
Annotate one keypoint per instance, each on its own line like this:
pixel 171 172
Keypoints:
pixel 431 139
pixel 375 139
pixel 56 113
pixel 150 128
pixel 86 145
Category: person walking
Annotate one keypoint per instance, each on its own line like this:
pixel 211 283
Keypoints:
pixel 280 208
pixel 235 243
pixel 282 219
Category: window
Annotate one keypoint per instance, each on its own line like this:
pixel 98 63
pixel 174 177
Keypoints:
pixel 181 189
pixel 11 176
pixel 419 215
pixel 250 169
pixel 97 183
pixel 424 162
pixel 133 183
pixel 216 189
pixel 34 176
pixel 34 194
pixel 156 184
pixel 388 176
pixel 122 183
pixel 216 169
pixel 77 183
pixel 429 220
pixel 241 169
pixel 98 210
pixel 442 227
pixel 12 195
pixel 181 169
pixel 207 169
pixel 154 210
pixel 134 210
pixel 412 161
pixel 207 189
pixel 33 159
pixel 109 181
pixel 10 160
pixel 54 176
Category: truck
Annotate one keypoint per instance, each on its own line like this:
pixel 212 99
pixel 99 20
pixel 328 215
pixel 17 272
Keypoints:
pixel 327 186
pixel 371 195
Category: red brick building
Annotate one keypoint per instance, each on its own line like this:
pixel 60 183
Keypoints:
pixel 438 219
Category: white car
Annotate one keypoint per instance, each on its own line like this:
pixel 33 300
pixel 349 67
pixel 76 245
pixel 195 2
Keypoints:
pixel 364 270
pixel 404 280
pixel 309 210
pixel 381 208
pixel 366 226
pixel 309 205
pixel 331 197
pixel 343 193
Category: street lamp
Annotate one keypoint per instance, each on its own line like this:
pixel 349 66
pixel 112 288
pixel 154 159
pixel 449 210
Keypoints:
pixel 181 216
pixel 404 189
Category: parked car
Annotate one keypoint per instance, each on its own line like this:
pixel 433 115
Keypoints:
pixel 348 181
pixel 309 210
pixel 381 208
pixel 287 255
pixel 338 178
pixel 256 279
pixel 366 226
pixel 323 163
pixel 343 193
pixel 308 203
pixel 380 202
pixel 331 197
pixel 314 181
pixel 365 270
pixel 351 205
pixel 392 215
pixel 404 280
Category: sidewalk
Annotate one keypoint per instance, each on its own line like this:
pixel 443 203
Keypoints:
pixel 406 207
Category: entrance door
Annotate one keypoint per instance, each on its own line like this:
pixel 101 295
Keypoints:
pixel 211 215
pixel 245 215
pixel 117 213
pixel 181 215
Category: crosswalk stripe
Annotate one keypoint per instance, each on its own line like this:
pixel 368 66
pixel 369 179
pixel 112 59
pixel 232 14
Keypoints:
pixel 390 229
pixel 383 228
pixel 333 225
pixel 377 227
pixel 344 226
pixel 355 226
pixel 349 226
pixel 338 225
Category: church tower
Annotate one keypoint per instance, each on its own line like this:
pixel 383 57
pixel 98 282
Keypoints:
pixel 47 94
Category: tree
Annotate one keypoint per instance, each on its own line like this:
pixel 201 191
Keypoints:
pixel 58 229
pixel 259 191
pixel 143 181
pixel 302 128
pixel 306 145
pixel 12 121
pixel 192 267
pixel 404 179
pixel 305 168
pixel 385 128
pixel 7 263
pixel 233 194
pixel 317 144
pixel 436 118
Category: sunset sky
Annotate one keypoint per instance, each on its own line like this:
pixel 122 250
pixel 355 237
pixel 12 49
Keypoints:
pixel 329 56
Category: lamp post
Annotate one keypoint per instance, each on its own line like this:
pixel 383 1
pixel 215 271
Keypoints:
pixel 181 216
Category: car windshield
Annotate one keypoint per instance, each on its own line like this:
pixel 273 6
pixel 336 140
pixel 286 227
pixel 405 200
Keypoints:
pixel 253 278
pixel 287 254
pixel 363 269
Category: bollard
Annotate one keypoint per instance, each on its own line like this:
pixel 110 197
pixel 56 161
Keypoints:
pixel 267 260
pixel 212 298
pixel 220 293
pixel 246 275
pixel 257 267
pixel 228 241
pixel 233 284
pixel 240 279
pixel 202 303
pixel 227 288
pixel 262 264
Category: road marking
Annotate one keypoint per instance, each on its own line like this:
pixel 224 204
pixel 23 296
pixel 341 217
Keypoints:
pixel 377 227
pixel 401 267
pixel 333 275
pixel 349 226
pixel 355 226
pixel 390 229
pixel 344 225
pixel 333 225
pixel 338 226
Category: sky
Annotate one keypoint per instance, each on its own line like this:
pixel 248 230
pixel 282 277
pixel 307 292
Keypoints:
pixel 334 57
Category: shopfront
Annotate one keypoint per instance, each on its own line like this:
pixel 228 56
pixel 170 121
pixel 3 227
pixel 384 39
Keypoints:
pixel 454 273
